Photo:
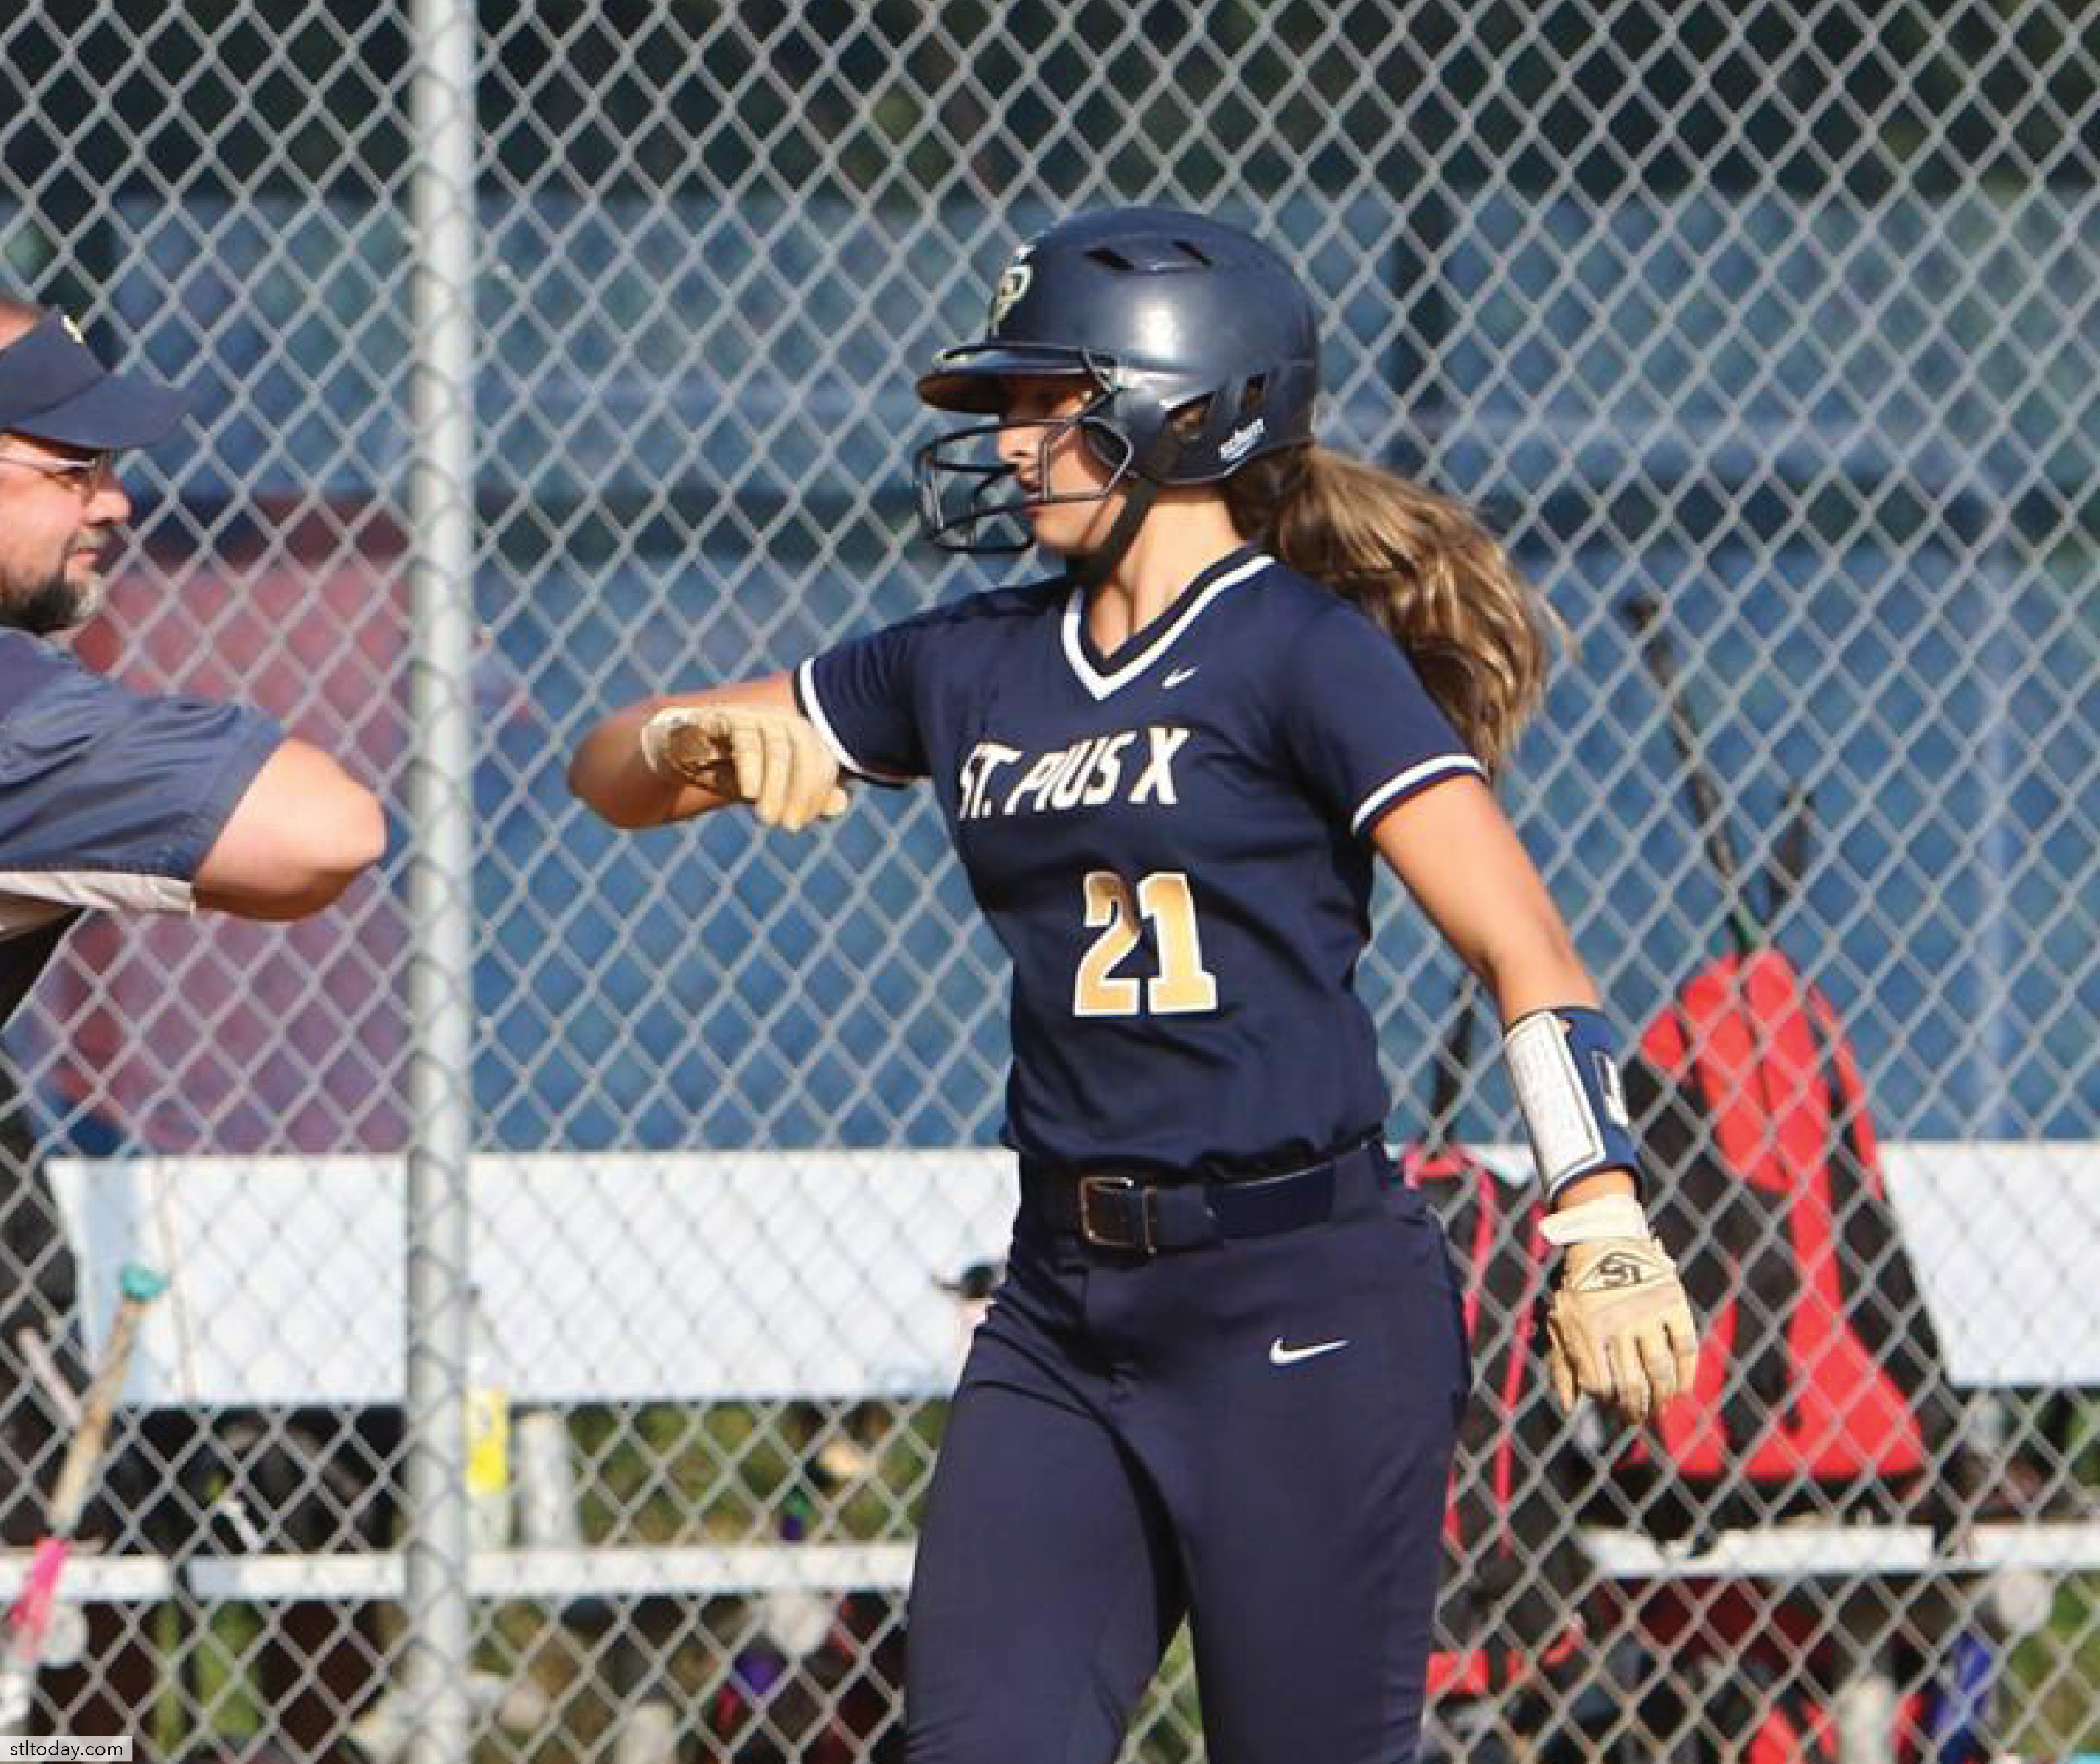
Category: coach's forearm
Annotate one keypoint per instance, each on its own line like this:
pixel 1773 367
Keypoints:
pixel 302 831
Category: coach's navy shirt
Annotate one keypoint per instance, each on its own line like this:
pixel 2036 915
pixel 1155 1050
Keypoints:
pixel 107 797
pixel 1171 842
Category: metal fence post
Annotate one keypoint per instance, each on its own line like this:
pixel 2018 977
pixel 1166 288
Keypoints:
pixel 441 597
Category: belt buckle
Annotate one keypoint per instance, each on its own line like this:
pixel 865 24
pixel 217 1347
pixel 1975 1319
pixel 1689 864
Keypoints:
pixel 1092 1189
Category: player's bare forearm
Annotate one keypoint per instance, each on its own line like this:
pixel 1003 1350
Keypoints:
pixel 608 773
pixel 1457 854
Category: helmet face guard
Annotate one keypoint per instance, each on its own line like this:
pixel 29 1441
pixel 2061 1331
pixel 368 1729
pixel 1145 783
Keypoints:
pixel 962 484
pixel 1157 311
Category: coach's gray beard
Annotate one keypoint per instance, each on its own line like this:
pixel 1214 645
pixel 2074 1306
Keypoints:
pixel 54 603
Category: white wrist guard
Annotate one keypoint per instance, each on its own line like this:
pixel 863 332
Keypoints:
pixel 1566 1075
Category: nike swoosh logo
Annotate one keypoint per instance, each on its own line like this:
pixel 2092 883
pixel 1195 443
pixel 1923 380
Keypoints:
pixel 1177 677
pixel 1280 1356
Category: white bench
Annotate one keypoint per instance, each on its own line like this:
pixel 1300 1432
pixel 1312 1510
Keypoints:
pixel 702 1276
pixel 625 1277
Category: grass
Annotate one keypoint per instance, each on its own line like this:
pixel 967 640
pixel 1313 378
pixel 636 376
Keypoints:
pixel 2056 1673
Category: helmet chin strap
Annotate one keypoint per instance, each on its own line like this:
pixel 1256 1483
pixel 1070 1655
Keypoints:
pixel 1090 569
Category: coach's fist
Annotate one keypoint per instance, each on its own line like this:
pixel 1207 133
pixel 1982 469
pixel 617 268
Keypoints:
pixel 1620 1328
pixel 772 759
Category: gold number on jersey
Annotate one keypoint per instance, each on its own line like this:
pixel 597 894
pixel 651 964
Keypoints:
pixel 1182 985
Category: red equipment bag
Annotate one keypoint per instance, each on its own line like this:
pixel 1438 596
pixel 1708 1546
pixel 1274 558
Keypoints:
pixel 1818 1368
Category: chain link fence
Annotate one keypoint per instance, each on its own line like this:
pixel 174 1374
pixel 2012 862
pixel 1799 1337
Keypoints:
pixel 1777 318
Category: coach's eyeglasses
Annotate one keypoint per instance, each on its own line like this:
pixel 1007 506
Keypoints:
pixel 86 479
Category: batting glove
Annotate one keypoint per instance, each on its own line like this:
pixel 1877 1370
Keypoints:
pixel 1620 1328
pixel 772 759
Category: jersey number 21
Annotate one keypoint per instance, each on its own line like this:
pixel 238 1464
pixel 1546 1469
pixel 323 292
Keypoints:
pixel 1163 899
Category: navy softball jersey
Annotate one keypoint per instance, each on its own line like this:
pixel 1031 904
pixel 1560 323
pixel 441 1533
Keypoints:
pixel 1172 844
pixel 108 797
pixel 1253 1429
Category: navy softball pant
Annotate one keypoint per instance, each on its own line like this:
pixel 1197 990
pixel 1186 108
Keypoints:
pixel 1255 1434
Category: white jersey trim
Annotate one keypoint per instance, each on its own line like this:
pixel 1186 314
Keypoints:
pixel 805 676
pixel 1445 765
pixel 33 898
pixel 1101 685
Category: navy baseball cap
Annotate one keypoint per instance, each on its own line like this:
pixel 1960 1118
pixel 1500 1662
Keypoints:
pixel 53 388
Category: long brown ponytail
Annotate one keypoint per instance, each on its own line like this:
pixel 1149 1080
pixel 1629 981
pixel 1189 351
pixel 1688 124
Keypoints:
pixel 1424 567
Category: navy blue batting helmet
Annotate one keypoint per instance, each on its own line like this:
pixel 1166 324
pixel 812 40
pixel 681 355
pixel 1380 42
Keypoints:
pixel 1154 310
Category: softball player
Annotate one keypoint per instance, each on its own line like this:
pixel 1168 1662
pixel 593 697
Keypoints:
pixel 1221 1377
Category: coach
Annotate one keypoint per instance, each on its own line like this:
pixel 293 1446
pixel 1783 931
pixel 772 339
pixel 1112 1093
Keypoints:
pixel 110 797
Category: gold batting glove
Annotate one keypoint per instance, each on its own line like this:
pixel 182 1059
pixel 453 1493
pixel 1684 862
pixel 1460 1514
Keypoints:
pixel 1620 1328
pixel 772 759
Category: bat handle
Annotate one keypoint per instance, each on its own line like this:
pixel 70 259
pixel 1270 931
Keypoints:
pixel 30 1618
pixel 139 1287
